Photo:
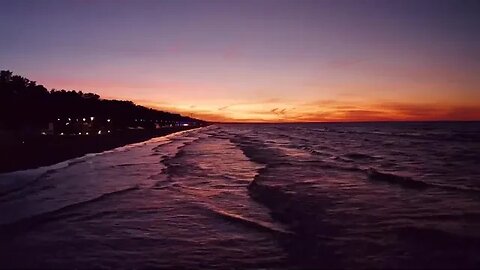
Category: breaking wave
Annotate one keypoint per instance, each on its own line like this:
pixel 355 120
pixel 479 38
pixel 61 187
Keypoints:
pixel 63 212
pixel 409 182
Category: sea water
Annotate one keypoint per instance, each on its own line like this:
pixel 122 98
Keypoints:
pixel 336 195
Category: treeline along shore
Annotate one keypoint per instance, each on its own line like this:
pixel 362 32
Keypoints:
pixel 39 127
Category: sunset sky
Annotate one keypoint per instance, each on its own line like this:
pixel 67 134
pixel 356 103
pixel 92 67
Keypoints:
pixel 264 60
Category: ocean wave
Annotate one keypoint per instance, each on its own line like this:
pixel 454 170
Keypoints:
pixel 304 215
pixel 338 167
pixel 286 205
pixel 396 179
pixel 469 217
pixel 60 213
pixel 409 182
pixel 167 160
pixel 122 165
pixel 253 223
pixel 271 196
pixel 161 144
pixel 313 151
pixel 342 159
pixel 18 181
pixel 257 151
pixel 21 187
pixel 433 236
pixel 171 166
pixel 359 156
pixel 427 136
pixel 14 182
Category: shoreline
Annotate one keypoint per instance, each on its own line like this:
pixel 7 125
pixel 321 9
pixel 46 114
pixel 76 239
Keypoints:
pixel 49 150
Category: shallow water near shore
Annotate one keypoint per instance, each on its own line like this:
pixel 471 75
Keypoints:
pixel 381 195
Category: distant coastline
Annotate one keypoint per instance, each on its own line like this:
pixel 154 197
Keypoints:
pixel 40 127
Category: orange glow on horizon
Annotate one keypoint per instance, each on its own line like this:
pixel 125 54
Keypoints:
pixel 342 101
pixel 257 61
pixel 326 111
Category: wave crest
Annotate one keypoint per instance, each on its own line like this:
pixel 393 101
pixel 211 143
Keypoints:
pixel 395 179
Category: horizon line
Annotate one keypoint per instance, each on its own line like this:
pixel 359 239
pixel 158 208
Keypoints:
pixel 340 122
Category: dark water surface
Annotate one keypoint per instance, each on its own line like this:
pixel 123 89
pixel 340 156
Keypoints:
pixel 396 195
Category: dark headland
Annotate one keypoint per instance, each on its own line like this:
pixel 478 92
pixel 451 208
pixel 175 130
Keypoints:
pixel 39 127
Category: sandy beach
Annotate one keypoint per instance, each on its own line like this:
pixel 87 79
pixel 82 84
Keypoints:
pixel 47 150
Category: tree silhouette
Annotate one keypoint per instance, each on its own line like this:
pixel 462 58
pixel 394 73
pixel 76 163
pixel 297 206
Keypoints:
pixel 24 103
